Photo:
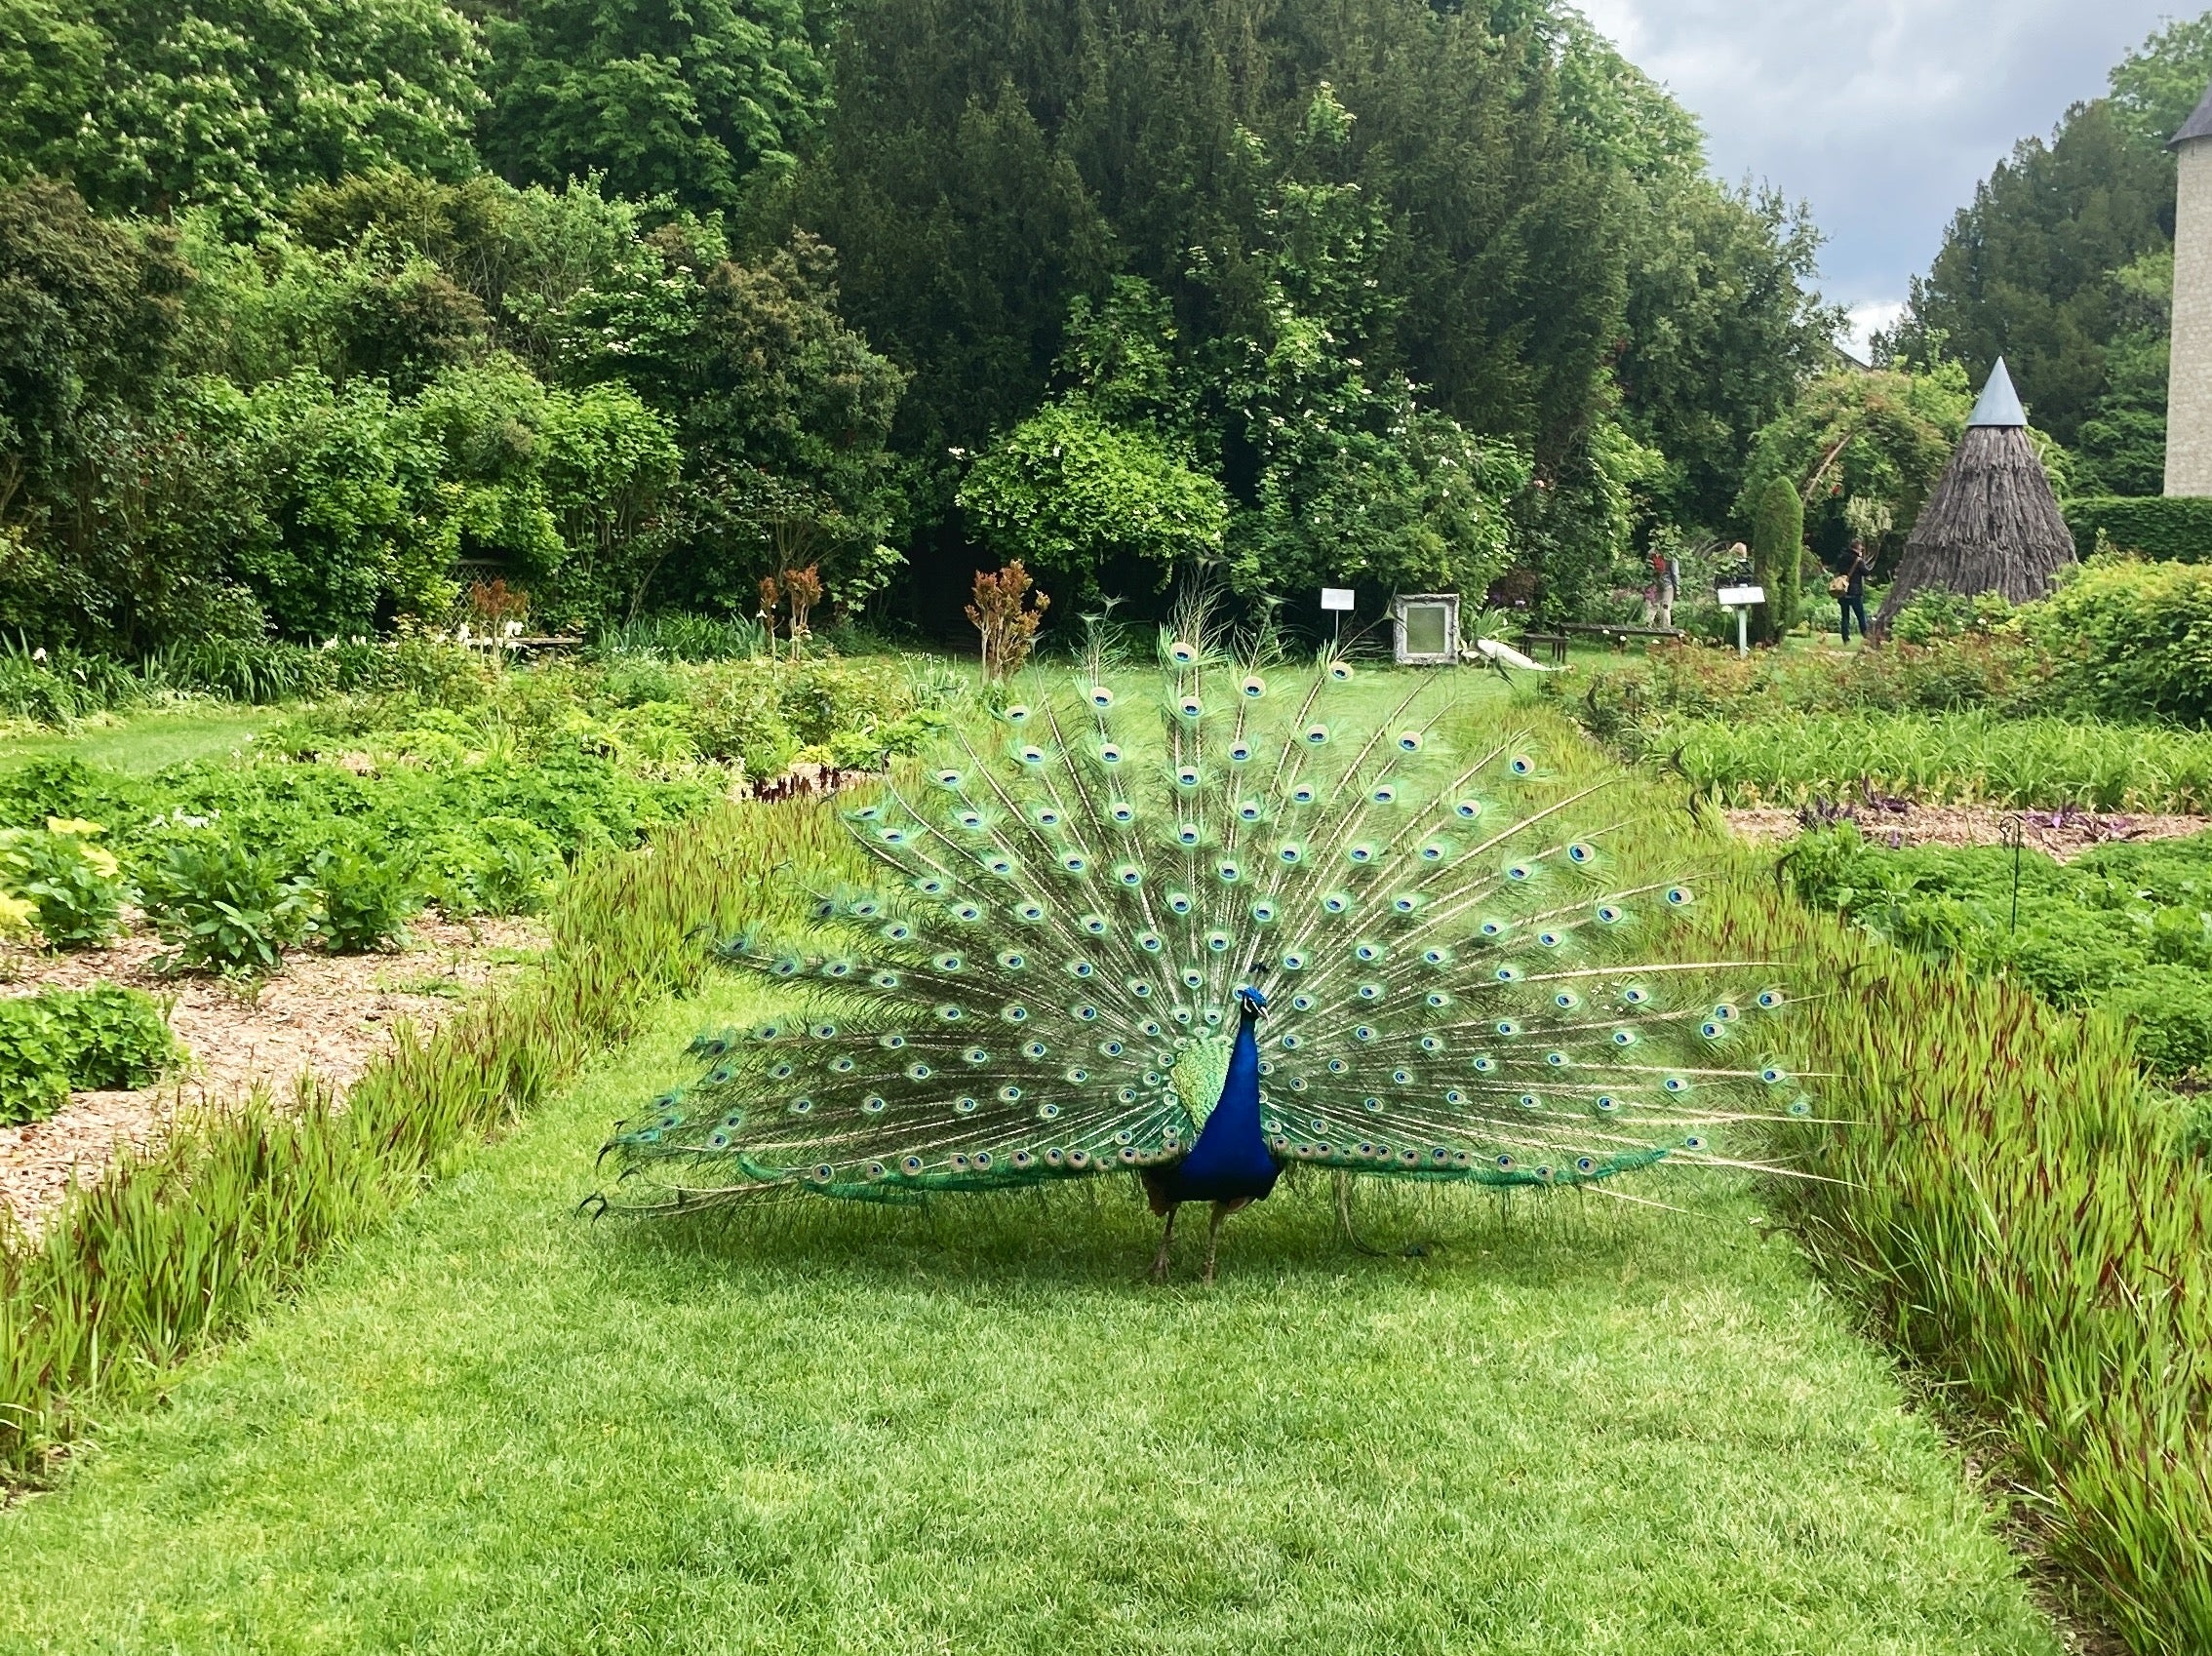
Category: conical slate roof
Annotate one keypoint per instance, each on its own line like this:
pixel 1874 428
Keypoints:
pixel 2199 125
pixel 1999 404
pixel 1992 522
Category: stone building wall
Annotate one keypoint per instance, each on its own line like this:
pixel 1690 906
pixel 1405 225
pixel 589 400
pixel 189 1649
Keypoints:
pixel 2189 392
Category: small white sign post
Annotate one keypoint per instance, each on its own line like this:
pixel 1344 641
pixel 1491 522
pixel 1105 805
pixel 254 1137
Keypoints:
pixel 1741 599
pixel 1337 600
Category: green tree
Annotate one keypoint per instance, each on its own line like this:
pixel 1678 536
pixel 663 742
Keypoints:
pixel 1109 509
pixel 49 76
pixel 1778 544
pixel 1881 438
pixel 783 410
pixel 88 317
pixel 686 102
pixel 2122 446
pixel 235 103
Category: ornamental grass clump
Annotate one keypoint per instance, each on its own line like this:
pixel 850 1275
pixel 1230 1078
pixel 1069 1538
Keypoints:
pixel 2013 1208
pixel 1971 757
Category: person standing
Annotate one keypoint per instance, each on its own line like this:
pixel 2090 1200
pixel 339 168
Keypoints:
pixel 1659 596
pixel 1851 588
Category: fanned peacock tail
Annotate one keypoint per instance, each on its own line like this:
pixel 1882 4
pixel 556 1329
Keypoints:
pixel 1042 983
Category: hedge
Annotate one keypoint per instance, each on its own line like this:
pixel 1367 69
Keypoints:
pixel 2165 528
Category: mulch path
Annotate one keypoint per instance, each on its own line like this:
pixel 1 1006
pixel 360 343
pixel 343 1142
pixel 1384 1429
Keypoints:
pixel 2062 835
pixel 329 1014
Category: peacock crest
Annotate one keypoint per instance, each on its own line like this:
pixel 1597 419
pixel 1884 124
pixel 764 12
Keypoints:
pixel 1056 970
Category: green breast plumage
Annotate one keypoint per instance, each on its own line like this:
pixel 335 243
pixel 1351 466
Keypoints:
pixel 1201 1065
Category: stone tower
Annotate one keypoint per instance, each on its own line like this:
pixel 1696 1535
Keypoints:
pixel 2189 384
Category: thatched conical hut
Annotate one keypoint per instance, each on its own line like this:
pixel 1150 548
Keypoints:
pixel 1992 522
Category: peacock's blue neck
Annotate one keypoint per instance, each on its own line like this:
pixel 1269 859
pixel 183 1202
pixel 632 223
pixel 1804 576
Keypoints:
pixel 1231 1161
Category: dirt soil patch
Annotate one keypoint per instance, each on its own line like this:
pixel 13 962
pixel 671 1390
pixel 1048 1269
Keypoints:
pixel 326 1014
pixel 2061 835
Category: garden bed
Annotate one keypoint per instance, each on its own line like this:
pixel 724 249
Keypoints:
pixel 2061 835
pixel 329 1015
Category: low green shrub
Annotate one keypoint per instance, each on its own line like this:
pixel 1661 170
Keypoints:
pixel 74 887
pixel 2132 640
pixel 515 867
pixel 2125 927
pixel 34 1060
pixel 222 905
pixel 61 1041
pixel 2170 528
pixel 365 891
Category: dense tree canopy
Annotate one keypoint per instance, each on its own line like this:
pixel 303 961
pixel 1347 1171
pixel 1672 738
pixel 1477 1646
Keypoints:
pixel 635 303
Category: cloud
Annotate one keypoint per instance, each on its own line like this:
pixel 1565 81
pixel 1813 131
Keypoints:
pixel 1882 114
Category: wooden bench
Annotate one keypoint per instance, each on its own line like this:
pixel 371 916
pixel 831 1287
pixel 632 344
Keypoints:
pixel 1537 647
pixel 1606 630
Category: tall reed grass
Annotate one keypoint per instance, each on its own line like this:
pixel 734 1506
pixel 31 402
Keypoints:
pixel 173 1248
pixel 2014 1212
pixel 1943 758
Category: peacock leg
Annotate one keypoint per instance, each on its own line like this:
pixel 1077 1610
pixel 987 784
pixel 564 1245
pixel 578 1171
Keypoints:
pixel 1221 1210
pixel 1159 1259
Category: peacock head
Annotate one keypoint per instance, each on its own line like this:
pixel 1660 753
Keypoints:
pixel 1250 1003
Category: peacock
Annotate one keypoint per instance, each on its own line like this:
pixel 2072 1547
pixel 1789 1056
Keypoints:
pixel 1202 943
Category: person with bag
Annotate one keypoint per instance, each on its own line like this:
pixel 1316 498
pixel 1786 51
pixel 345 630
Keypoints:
pixel 1849 588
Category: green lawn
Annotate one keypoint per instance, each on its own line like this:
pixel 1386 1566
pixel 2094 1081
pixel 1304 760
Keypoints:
pixel 147 741
pixel 1578 1427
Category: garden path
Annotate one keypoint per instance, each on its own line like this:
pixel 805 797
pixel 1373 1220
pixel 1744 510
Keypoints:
pixel 2062 835
pixel 326 1014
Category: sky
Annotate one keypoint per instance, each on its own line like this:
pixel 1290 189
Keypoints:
pixel 1881 114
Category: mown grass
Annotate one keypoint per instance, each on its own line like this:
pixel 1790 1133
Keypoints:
pixel 1575 1427
pixel 144 743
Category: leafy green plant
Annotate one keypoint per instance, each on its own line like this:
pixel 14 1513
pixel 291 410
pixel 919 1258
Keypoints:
pixel 221 905
pixel 75 888
pixel 2132 640
pixel 365 891
pixel 117 1036
pixel 64 1039
pixel 34 1060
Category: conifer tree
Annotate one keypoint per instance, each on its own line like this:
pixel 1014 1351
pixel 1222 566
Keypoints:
pixel 1778 540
